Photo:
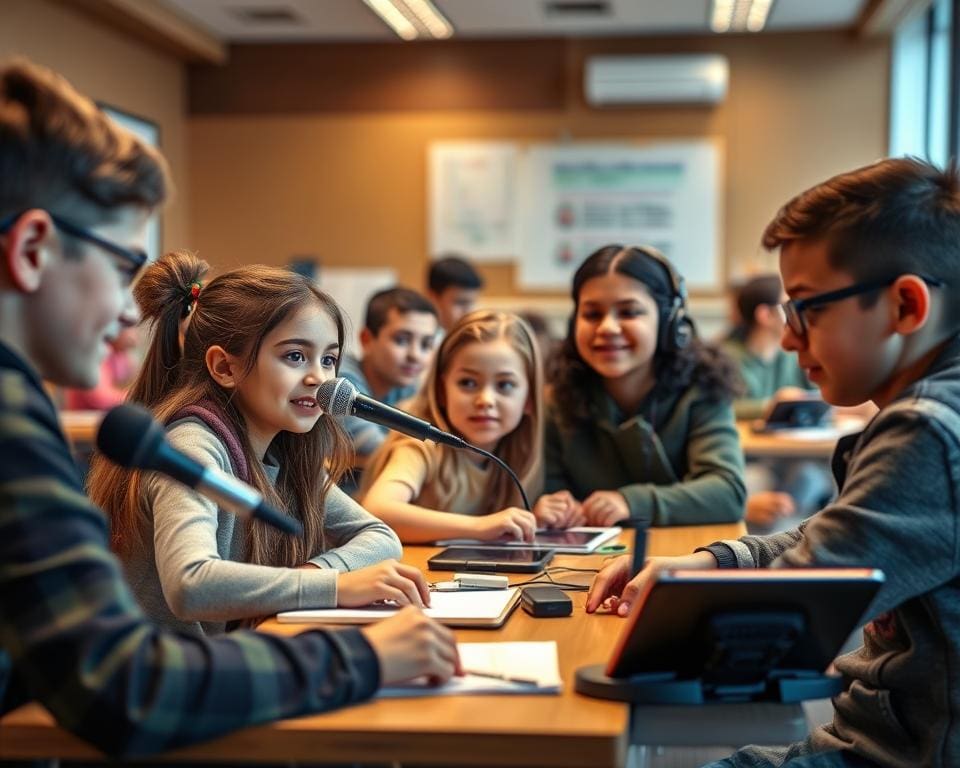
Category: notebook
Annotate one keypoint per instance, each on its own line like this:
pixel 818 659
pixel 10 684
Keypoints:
pixel 473 608
pixel 534 662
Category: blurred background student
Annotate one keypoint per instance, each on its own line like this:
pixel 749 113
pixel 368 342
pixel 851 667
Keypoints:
pixel 779 490
pixel 453 285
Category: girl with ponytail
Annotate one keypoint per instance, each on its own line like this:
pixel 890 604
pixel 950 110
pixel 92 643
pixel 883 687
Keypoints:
pixel 232 372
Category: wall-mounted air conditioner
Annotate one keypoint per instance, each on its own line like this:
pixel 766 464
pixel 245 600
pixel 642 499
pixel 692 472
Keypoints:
pixel 699 78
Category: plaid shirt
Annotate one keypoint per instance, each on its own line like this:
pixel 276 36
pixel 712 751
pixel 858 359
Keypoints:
pixel 73 637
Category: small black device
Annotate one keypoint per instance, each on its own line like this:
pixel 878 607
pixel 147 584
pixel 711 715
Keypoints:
pixel 518 560
pixel 794 414
pixel 545 602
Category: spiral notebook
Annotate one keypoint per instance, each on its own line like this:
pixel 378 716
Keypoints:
pixel 473 608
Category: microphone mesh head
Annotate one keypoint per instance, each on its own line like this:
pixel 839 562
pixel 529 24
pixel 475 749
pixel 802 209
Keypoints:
pixel 336 397
pixel 129 436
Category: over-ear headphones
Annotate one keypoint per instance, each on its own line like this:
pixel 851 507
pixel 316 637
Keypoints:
pixel 676 329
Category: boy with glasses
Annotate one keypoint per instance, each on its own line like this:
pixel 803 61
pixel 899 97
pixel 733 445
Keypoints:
pixel 871 262
pixel 75 195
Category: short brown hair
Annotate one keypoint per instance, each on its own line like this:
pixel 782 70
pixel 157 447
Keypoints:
pixel 896 216
pixel 60 152
pixel 401 299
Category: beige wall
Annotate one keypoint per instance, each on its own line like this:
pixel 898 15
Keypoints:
pixel 113 69
pixel 350 187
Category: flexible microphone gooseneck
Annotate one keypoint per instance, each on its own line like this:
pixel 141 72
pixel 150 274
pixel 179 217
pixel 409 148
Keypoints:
pixel 130 437
pixel 339 397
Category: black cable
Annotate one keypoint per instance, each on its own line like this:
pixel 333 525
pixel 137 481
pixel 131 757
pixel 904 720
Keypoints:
pixel 500 462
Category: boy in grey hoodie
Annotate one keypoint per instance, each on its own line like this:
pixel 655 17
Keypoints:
pixel 871 262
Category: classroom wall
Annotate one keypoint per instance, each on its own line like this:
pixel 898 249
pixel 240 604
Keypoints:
pixel 321 150
pixel 114 69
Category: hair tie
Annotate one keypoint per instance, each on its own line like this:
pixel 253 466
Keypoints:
pixel 191 297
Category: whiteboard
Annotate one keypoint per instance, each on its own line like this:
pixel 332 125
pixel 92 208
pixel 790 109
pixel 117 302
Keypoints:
pixel 580 197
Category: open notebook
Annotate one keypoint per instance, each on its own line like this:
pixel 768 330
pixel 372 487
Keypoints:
pixel 472 608
pixel 535 664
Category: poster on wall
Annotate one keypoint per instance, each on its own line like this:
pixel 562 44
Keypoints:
pixel 473 200
pixel 581 197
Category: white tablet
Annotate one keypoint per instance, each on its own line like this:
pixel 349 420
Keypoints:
pixel 582 540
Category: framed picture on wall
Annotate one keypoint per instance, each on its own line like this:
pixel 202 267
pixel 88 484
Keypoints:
pixel 149 132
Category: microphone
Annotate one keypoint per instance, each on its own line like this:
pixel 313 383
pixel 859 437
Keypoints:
pixel 339 397
pixel 130 437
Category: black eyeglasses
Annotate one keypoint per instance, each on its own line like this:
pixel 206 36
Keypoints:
pixel 792 310
pixel 136 258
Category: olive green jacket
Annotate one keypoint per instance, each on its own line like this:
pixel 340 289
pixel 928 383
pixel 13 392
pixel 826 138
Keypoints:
pixel 688 471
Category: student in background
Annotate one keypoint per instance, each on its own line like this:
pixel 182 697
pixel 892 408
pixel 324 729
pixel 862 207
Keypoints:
pixel 454 286
pixel 241 397
pixel 398 338
pixel 484 385
pixel 784 488
pixel 870 260
pixel 641 426
pixel 75 195
pixel 117 372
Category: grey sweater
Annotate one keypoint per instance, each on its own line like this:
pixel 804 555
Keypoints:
pixel 899 510
pixel 191 573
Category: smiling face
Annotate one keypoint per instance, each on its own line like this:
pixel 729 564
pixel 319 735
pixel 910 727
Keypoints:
pixel 485 392
pixel 849 350
pixel 616 327
pixel 400 351
pixel 83 303
pixel 295 358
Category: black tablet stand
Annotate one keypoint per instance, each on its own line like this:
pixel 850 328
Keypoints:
pixel 737 660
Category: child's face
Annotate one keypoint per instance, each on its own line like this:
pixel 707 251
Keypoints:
pixel 82 304
pixel 402 348
pixel 616 326
pixel 280 392
pixel 486 392
pixel 454 302
pixel 849 351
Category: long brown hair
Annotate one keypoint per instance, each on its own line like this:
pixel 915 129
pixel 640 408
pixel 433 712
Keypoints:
pixel 521 450
pixel 236 311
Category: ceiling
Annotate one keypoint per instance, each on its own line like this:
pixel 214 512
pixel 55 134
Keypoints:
pixel 352 20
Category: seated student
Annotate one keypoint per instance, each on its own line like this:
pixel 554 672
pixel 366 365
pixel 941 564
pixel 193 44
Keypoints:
pixel 640 426
pixel 453 286
pixel 398 338
pixel 870 259
pixel 769 374
pixel 75 195
pixel 484 385
pixel 241 397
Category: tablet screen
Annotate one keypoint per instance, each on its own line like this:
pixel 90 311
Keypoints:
pixel 481 554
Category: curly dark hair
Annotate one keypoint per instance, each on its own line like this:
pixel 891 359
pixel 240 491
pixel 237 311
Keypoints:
pixel 674 369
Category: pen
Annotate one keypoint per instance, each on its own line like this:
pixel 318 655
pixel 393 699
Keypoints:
pixel 498 676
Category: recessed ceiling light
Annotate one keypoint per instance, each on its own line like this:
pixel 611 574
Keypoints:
pixel 412 18
pixel 739 15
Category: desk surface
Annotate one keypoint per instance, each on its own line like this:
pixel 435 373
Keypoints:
pixel 814 443
pixel 80 427
pixel 563 730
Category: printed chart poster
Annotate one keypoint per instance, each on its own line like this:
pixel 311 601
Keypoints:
pixel 582 197
pixel 473 204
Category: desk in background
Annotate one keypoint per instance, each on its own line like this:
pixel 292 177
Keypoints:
pixel 80 427
pixel 813 443
pixel 567 730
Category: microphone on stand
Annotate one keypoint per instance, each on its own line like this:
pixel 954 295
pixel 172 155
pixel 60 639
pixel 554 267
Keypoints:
pixel 339 397
pixel 129 436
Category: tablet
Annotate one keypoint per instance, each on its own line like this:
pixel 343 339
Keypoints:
pixel 508 560
pixel 794 414
pixel 666 629
pixel 582 540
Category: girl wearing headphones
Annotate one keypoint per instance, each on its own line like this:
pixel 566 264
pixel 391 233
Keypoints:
pixel 640 426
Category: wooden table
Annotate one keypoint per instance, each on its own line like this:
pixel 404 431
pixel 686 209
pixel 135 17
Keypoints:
pixel 491 730
pixel 813 443
pixel 80 427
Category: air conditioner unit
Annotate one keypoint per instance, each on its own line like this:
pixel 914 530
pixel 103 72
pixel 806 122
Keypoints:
pixel 668 79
